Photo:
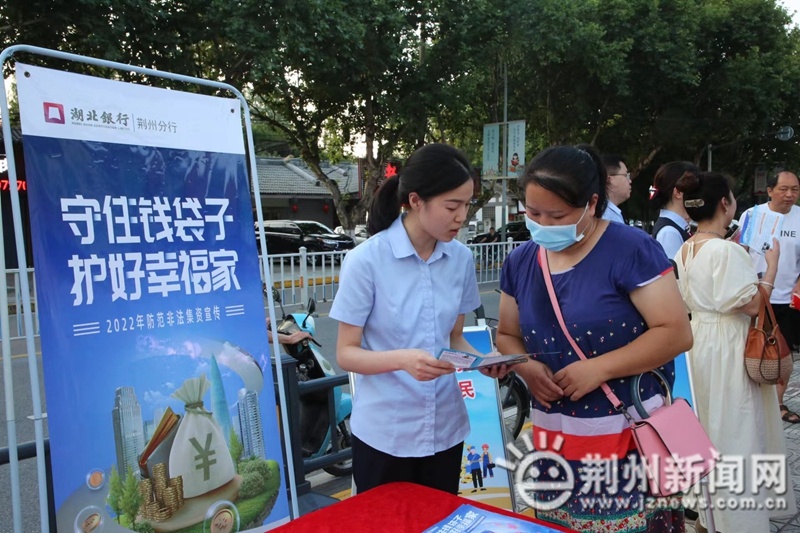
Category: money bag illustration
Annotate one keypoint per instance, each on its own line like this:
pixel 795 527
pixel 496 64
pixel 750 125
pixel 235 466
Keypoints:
pixel 200 452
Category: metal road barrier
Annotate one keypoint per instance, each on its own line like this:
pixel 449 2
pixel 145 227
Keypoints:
pixel 27 450
pixel 294 390
pixel 297 276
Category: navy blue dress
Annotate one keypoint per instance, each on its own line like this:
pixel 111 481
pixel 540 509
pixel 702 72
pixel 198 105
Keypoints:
pixel 589 436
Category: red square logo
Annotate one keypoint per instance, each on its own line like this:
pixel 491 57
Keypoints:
pixel 54 113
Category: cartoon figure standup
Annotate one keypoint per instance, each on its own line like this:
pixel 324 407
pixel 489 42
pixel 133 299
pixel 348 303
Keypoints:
pixel 488 465
pixel 474 467
pixel 514 163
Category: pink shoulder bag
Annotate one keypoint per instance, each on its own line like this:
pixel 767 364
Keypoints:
pixel 673 445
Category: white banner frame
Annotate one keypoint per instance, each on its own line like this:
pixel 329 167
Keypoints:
pixel 27 315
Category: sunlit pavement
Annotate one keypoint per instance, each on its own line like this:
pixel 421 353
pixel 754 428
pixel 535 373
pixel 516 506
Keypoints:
pixel 792 433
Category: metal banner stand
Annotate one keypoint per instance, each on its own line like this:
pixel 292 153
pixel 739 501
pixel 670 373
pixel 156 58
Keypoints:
pixel 7 54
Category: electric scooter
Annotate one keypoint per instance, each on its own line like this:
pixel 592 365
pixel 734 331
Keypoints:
pixel 315 435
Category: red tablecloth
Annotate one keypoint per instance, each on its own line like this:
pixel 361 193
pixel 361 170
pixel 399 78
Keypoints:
pixel 391 508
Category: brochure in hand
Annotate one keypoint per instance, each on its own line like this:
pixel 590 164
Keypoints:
pixel 760 227
pixel 468 518
pixel 471 361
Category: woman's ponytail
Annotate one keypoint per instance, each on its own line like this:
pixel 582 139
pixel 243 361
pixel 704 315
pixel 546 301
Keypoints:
pixel 385 206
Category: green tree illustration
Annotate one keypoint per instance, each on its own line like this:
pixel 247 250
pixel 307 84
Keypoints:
pixel 236 448
pixel 115 491
pixel 131 499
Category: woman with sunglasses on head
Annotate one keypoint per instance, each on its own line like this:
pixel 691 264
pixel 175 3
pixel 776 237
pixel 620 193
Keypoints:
pixel 402 297
pixel 672 225
pixel 621 305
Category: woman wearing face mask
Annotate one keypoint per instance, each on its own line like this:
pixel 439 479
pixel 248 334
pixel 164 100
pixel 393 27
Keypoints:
pixel 622 306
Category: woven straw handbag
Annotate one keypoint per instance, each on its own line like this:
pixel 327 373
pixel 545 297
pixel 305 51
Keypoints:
pixel 767 357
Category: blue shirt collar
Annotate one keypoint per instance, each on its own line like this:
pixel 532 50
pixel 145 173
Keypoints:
pixel 615 213
pixel 402 246
pixel 675 217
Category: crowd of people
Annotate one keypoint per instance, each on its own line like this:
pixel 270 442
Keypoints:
pixel 632 302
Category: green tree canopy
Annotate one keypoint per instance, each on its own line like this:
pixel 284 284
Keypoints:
pixel 651 80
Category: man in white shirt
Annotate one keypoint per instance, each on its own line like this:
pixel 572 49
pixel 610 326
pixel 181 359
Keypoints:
pixel 783 190
pixel 618 186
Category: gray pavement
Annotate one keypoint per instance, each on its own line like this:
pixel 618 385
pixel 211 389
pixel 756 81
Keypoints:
pixel 792 433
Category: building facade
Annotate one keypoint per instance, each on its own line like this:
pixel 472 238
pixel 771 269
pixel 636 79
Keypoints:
pixel 128 430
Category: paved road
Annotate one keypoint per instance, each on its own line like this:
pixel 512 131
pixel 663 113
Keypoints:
pixel 23 412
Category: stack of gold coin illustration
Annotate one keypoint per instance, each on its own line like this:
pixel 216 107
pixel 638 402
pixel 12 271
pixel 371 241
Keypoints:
pixel 160 480
pixel 170 499
pixel 146 490
pixel 177 484
pixel 160 497
pixel 152 511
pixel 149 506
pixel 161 514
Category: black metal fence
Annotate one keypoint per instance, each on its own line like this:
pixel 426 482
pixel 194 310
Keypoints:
pixel 307 499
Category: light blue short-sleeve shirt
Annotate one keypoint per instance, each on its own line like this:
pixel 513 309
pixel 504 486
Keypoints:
pixel 613 213
pixel 401 301
pixel 669 238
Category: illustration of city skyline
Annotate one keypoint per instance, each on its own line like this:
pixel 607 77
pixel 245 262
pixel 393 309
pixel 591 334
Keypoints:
pixel 132 432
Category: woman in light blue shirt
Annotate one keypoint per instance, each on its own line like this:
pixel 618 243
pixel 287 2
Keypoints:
pixel 672 225
pixel 402 297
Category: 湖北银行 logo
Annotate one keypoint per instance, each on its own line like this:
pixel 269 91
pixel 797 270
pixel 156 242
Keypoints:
pixel 54 113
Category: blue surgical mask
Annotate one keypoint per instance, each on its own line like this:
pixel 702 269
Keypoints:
pixel 555 238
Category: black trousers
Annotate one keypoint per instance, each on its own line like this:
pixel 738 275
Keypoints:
pixel 372 468
pixel 789 322
pixel 477 477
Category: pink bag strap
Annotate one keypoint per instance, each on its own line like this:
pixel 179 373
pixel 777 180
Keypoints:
pixel 548 281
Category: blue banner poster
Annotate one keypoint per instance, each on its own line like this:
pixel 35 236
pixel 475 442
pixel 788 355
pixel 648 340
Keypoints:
pixel 491 151
pixel 516 149
pixel 682 388
pixel 481 479
pixel 159 389
pixel 471 519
